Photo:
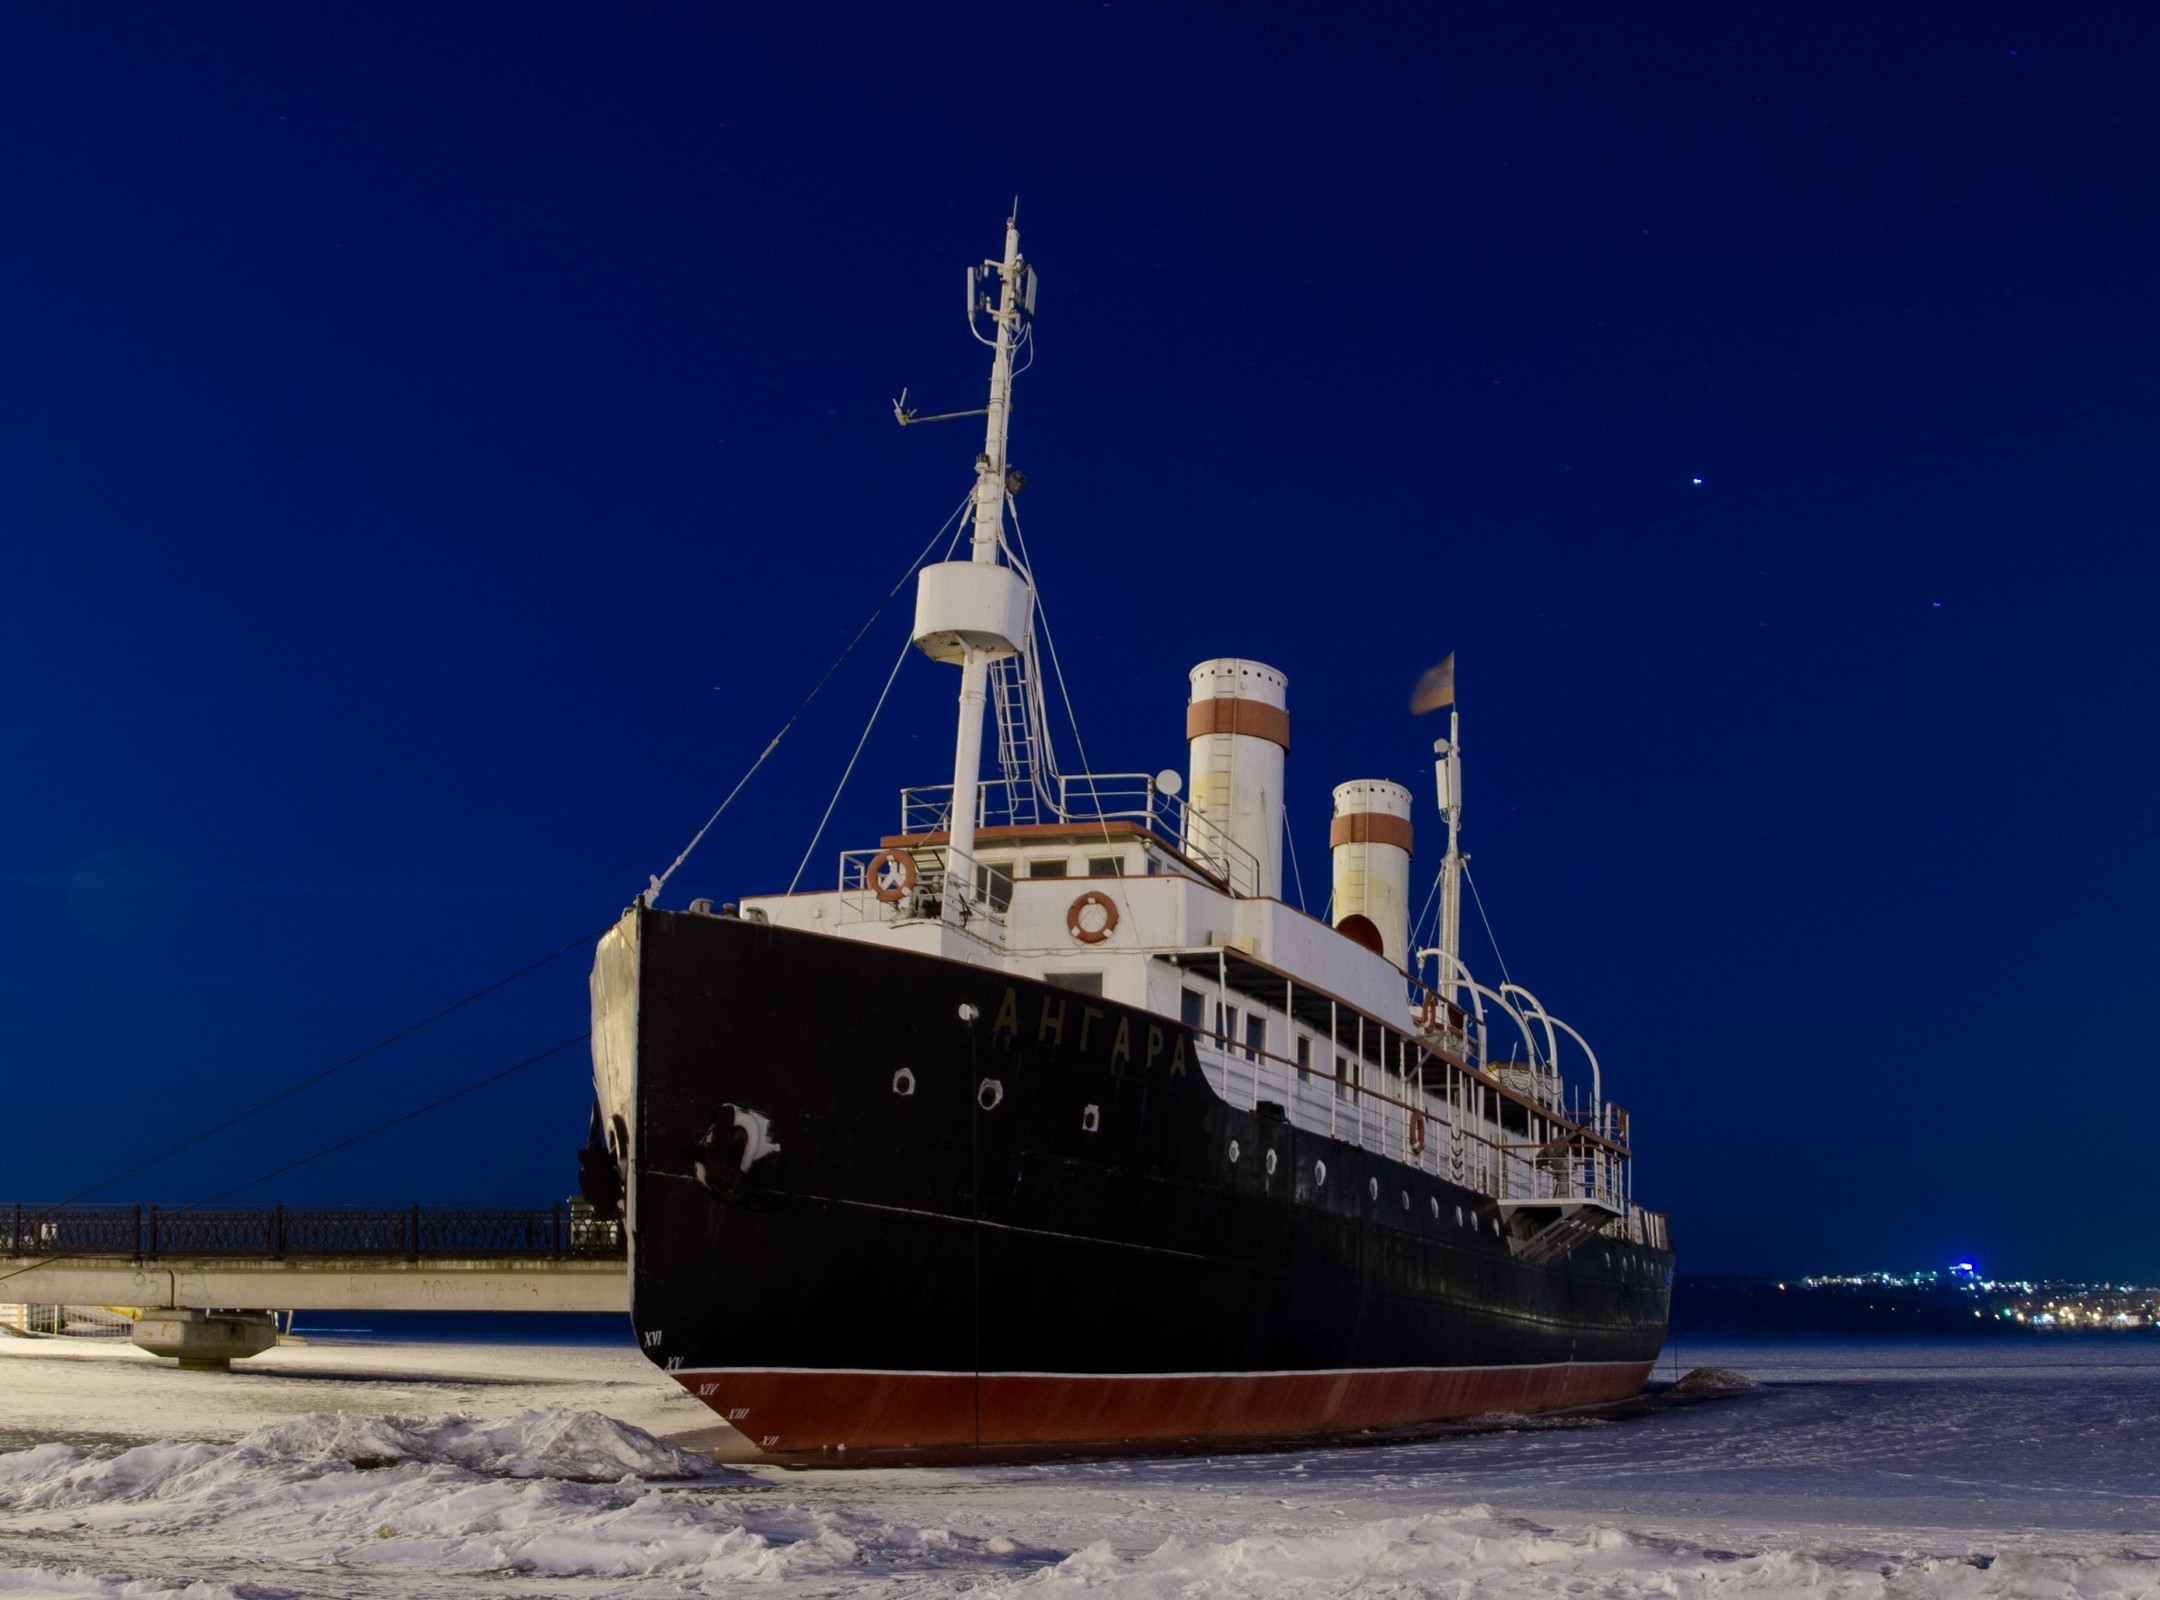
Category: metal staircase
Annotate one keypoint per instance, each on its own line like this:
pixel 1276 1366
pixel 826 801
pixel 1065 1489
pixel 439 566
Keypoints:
pixel 1560 1238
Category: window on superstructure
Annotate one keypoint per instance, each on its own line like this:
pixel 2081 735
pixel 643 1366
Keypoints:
pixel 1047 869
pixel 1192 1009
pixel 1105 866
pixel 1304 1056
pixel 1077 982
pixel 993 884
pixel 1226 1024
pixel 1342 1077
pixel 1255 1034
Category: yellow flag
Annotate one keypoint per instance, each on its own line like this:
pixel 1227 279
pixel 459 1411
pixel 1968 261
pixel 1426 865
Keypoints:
pixel 1435 689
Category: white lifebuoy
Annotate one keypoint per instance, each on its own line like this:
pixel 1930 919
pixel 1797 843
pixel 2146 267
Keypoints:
pixel 874 875
pixel 1079 929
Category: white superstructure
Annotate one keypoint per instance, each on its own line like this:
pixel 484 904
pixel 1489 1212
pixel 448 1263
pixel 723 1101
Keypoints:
pixel 1113 885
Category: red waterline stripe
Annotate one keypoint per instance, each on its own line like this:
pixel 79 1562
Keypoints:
pixel 789 1411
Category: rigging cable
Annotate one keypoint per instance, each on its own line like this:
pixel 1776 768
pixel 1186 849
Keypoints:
pixel 385 1127
pixel 1415 937
pixel 533 966
pixel 890 678
pixel 651 894
pixel 1295 872
pixel 1478 900
pixel 1057 670
pixel 849 770
pixel 331 1071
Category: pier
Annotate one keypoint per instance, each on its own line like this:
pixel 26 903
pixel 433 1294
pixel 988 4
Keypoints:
pixel 203 1283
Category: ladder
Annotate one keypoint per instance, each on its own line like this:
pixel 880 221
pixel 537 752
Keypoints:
pixel 1024 755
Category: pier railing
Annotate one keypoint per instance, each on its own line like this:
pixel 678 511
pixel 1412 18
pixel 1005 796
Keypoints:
pixel 409 1233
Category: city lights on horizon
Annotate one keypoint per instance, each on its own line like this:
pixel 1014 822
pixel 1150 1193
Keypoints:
pixel 2046 1304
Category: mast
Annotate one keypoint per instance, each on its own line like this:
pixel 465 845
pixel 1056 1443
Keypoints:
pixel 1447 774
pixel 989 527
pixel 974 612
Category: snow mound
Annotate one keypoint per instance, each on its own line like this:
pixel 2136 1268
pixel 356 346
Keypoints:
pixel 1477 1552
pixel 583 1446
pixel 43 1583
pixel 549 1494
pixel 576 1446
pixel 1714 1380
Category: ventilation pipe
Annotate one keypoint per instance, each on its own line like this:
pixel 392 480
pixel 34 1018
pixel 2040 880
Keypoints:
pixel 1238 729
pixel 1370 842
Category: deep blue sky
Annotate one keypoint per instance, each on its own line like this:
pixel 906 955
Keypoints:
pixel 439 445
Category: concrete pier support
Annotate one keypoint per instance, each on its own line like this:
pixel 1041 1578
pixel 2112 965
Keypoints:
pixel 206 1341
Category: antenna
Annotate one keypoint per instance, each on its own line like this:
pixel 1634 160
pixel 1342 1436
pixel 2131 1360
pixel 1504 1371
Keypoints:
pixel 904 416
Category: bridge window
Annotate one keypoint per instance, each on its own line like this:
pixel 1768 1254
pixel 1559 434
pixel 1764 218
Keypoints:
pixel 1047 869
pixel 1105 866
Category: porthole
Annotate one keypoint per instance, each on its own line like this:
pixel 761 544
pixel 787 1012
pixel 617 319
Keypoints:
pixel 990 1095
pixel 1319 1174
pixel 1271 1163
pixel 1406 1199
pixel 903 1083
pixel 1091 1119
pixel 1233 1152
pixel 1436 1208
pixel 1458 1216
pixel 1372 1188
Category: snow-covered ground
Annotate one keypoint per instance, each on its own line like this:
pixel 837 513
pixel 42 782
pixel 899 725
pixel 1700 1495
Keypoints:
pixel 373 1469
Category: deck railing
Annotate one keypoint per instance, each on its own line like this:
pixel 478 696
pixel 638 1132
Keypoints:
pixel 1434 1137
pixel 1099 797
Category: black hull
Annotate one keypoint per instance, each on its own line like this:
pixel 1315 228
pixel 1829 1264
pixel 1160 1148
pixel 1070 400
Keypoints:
pixel 862 1285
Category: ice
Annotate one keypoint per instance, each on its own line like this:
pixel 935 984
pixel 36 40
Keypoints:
pixel 1905 1473
pixel 1477 1552
pixel 42 1583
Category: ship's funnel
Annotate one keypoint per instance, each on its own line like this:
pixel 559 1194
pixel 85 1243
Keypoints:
pixel 1237 728
pixel 1370 842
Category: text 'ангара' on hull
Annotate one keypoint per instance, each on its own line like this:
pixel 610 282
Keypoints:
pixel 1051 1128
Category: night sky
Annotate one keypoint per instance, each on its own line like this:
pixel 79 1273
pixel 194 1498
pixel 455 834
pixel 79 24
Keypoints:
pixel 440 445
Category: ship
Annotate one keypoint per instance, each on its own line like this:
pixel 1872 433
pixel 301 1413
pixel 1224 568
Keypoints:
pixel 1052 1127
